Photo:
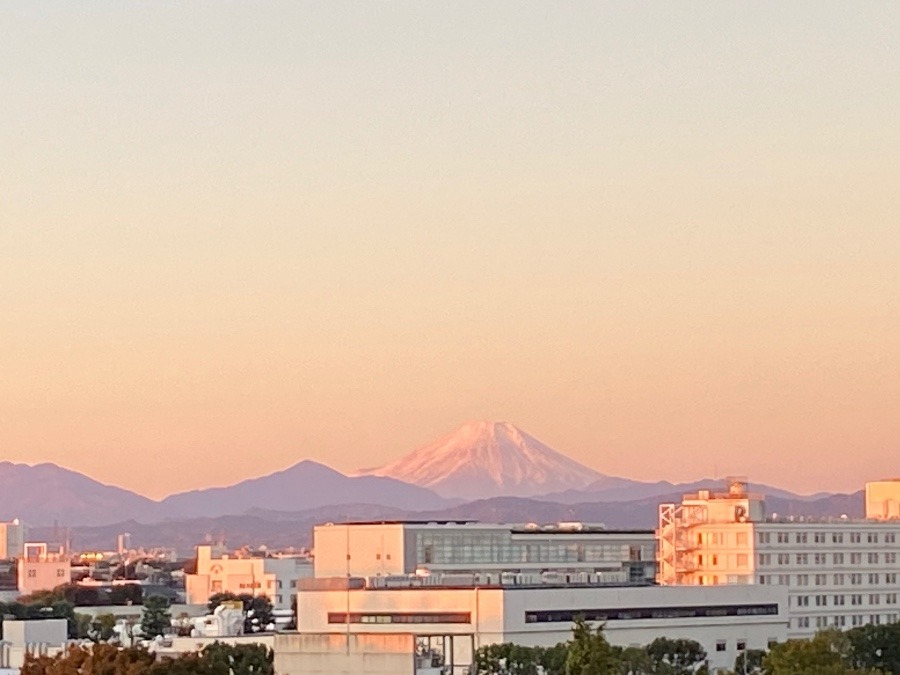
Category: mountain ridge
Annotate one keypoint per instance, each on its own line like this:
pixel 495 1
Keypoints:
pixel 484 458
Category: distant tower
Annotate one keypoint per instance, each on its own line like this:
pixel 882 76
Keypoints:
pixel 123 543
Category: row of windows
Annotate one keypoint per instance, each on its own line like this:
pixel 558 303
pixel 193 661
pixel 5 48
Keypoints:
pixel 843 620
pixel 871 558
pixel 837 579
pixel 491 548
pixel 822 600
pixel 400 617
pixel 740 645
pixel 634 613
pixel 826 537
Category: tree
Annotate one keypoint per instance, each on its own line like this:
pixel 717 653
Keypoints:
pixel 105 659
pixel 156 618
pixel 507 659
pixel 675 657
pixel 244 659
pixel 875 646
pixel 633 661
pixel 589 652
pixel 750 662
pixel 828 653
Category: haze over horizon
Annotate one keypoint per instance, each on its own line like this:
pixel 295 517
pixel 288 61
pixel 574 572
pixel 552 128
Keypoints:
pixel 661 239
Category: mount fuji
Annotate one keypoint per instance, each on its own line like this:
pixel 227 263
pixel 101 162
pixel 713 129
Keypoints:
pixel 488 459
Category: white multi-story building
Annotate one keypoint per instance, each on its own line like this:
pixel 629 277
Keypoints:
pixel 455 621
pixel 443 548
pixel 838 572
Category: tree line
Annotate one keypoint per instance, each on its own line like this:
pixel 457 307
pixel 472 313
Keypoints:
pixel 106 659
pixel 866 650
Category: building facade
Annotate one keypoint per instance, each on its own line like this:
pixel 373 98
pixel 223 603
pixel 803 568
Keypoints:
pixel 838 572
pixel 276 578
pixel 409 547
pixel 12 539
pixel 40 569
pixel 725 620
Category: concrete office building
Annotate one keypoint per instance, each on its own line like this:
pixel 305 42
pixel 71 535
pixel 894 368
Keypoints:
pixel 838 572
pixel 275 577
pixel 450 623
pixel 379 549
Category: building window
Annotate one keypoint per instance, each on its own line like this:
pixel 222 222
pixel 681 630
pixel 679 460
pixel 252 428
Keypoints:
pixel 741 559
pixel 765 559
pixel 764 538
pixel 890 558
pixel 839 600
pixel 838 558
pixel 890 538
pixel 741 645
pixel 819 558
pixel 803 580
pixel 721 646
pixel 837 538
pixel 855 537
pixel 873 558
pixel 819 537
pixel 802 559
pixel 782 538
pixel 838 579
pixel 821 579
pixel 32 574
pixel 873 538
pixel 873 578
pixel 400 617
pixel 60 573
pixel 855 558
pixel 800 537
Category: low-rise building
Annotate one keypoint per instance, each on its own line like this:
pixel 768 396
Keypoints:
pixel 39 569
pixel 724 620
pixel 391 548
pixel 274 577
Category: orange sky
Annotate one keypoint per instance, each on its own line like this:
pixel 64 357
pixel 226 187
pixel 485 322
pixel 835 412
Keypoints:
pixel 666 244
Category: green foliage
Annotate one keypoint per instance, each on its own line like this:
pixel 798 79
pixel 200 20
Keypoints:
pixel 633 661
pixel 675 657
pixel 258 609
pixel 88 596
pixel 104 659
pixel 589 653
pixel 828 653
pixel 156 618
pixel 507 659
pixel 750 662
pixel 47 607
pixel 875 647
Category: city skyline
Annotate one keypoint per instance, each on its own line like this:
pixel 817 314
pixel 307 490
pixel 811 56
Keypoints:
pixel 661 239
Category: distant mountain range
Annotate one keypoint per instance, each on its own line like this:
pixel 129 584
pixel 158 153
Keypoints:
pixel 277 529
pixel 489 471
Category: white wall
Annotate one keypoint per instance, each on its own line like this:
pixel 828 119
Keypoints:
pixel 341 654
pixel 498 614
pixel 360 550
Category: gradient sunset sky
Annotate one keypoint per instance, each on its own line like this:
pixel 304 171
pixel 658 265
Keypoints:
pixel 664 238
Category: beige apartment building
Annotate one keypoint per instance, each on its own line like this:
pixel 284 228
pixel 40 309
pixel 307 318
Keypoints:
pixel 839 572
pixel 276 578
pixel 40 569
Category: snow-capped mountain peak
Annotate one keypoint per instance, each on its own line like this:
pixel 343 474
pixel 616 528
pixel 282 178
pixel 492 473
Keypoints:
pixel 485 459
